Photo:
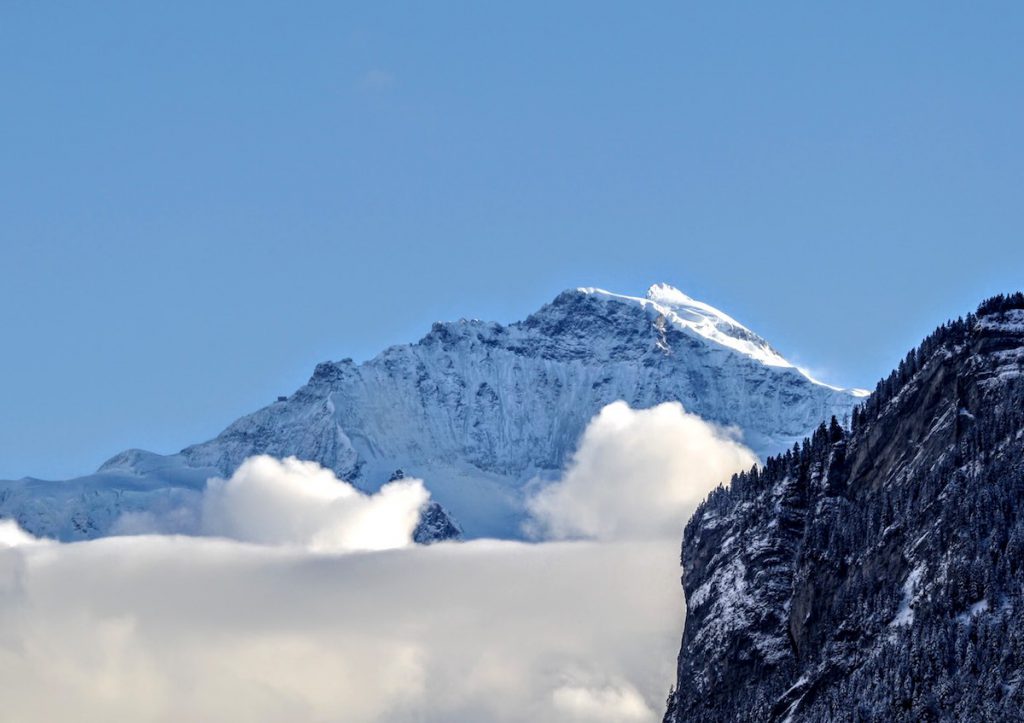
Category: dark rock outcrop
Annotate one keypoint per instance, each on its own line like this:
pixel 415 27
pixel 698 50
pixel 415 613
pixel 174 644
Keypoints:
pixel 874 574
pixel 436 524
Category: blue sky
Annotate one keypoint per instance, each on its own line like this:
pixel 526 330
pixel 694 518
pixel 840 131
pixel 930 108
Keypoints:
pixel 200 201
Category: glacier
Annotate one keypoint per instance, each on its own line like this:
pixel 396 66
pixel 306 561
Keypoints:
pixel 483 412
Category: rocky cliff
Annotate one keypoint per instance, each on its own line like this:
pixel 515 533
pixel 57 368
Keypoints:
pixel 873 574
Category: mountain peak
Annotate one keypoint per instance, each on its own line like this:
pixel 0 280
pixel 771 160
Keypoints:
pixel 477 409
pixel 702 320
pixel 667 294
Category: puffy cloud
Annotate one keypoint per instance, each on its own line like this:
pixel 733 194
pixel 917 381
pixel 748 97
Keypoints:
pixel 615 704
pixel 637 474
pixel 300 627
pixel 289 501
pixel 11 535
pixel 160 628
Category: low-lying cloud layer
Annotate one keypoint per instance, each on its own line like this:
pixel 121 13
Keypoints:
pixel 295 597
pixel 637 474
pixel 163 628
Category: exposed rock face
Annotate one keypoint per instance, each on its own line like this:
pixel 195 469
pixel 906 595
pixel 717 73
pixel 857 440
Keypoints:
pixel 435 524
pixel 878 574
pixel 477 410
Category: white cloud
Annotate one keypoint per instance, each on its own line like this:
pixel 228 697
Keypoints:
pixel 612 703
pixel 299 627
pixel 158 628
pixel 281 502
pixel 13 536
pixel 289 502
pixel 637 474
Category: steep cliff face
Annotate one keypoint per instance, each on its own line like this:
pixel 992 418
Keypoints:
pixel 875 574
pixel 479 409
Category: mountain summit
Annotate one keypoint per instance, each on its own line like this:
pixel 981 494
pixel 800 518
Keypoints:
pixel 477 409
pixel 700 319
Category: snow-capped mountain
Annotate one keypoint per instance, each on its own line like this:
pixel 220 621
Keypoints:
pixel 874 574
pixel 479 410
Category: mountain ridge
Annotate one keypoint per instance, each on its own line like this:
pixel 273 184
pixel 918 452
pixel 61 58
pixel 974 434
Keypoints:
pixel 482 410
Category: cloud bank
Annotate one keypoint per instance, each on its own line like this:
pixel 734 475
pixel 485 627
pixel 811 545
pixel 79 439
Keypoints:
pixel 172 628
pixel 637 474
pixel 295 597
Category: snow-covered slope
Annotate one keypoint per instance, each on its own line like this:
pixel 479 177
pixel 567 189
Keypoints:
pixel 478 409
